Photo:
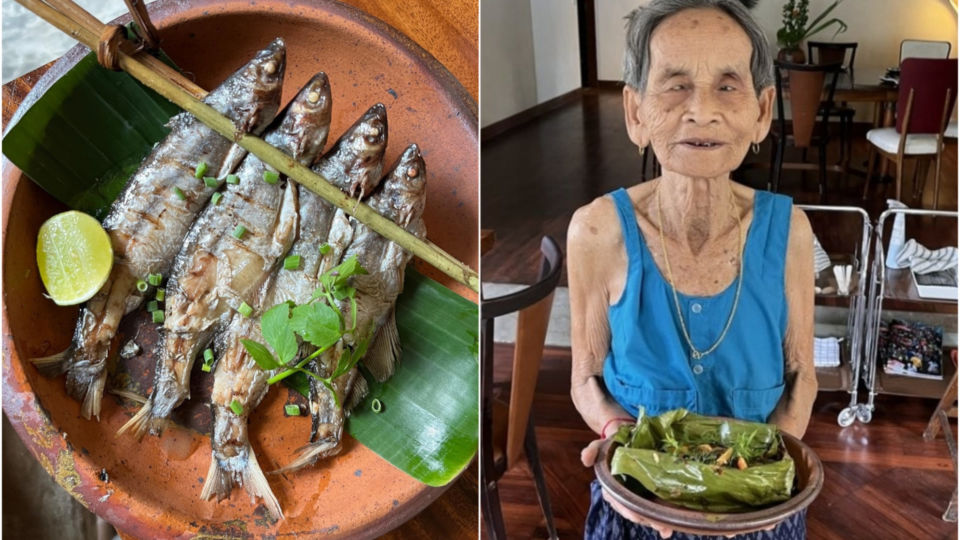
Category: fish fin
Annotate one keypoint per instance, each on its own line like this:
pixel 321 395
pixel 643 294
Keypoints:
pixel 384 351
pixel 217 483
pixel 257 486
pixel 309 454
pixel 53 365
pixel 286 227
pixel 94 397
pixel 142 422
pixel 234 157
pixel 359 391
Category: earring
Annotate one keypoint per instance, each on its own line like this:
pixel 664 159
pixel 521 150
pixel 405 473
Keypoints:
pixel 755 147
pixel 642 150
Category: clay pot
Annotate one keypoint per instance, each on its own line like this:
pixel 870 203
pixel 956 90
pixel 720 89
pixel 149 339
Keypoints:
pixel 792 55
pixel 154 485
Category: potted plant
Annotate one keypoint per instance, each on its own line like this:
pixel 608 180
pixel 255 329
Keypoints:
pixel 795 29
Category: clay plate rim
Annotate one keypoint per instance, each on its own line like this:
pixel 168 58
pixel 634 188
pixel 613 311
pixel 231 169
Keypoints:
pixel 701 522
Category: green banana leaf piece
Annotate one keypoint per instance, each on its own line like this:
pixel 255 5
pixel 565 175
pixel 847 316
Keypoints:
pixel 88 134
pixel 650 455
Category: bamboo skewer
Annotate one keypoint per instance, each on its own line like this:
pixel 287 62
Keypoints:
pixel 81 25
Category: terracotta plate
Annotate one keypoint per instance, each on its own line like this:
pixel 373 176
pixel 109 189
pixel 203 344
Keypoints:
pixel 152 488
pixel 809 479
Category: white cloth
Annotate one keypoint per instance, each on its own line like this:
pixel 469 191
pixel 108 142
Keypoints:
pixel 821 261
pixel 924 261
pixel 888 140
pixel 826 352
pixel 951 130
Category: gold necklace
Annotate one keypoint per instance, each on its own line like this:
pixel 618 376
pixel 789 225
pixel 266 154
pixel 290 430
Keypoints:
pixel 696 354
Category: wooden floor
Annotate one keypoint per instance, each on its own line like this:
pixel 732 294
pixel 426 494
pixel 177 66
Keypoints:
pixel 882 481
pixel 534 176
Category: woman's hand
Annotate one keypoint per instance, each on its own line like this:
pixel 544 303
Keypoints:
pixel 588 456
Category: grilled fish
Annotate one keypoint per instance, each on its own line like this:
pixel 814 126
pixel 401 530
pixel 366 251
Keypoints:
pixel 401 198
pixel 237 378
pixel 148 221
pixel 230 250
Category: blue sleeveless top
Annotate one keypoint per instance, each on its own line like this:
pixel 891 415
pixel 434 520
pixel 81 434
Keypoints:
pixel 649 363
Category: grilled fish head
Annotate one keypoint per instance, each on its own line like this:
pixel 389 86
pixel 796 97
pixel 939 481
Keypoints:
pixel 367 141
pixel 251 96
pixel 404 191
pixel 308 118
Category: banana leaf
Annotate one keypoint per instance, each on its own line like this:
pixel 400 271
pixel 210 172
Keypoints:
pixel 666 455
pixel 83 139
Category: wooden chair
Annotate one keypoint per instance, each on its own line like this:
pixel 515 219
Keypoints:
pixel 921 48
pixel 506 429
pixel 928 89
pixel 807 83
pixel 939 419
pixel 829 52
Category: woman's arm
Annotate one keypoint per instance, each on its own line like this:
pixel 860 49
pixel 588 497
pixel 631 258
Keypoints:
pixel 595 259
pixel 792 414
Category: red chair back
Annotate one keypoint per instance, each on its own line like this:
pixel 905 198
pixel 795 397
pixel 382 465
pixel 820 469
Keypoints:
pixel 930 79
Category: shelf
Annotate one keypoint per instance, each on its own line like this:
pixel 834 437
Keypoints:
pixel 915 386
pixel 835 379
pixel 900 293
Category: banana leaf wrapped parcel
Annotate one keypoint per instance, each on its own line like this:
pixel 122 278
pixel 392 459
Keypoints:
pixel 705 463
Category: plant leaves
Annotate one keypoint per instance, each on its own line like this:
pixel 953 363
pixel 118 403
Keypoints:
pixel 316 323
pixel 261 355
pixel 277 330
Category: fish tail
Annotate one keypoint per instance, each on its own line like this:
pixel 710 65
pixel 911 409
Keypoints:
pixel 309 454
pixel 359 391
pixel 53 365
pixel 142 422
pixel 257 486
pixel 94 397
pixel 218 482
pixel 384 352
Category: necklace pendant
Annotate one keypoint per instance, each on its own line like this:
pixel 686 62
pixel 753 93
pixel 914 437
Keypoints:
pixel 696 355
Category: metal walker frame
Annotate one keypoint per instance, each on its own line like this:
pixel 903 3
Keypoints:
pixel 857 312
pixel 875 305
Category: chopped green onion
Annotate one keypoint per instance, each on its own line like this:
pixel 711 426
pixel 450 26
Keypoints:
pixel 270 177
pixel 216 198
pixel 141 285
pixel 201 169
pixel 152 305
pixel 205 367
pixel 236 407
pixel 376 406
pixel 155 279
pixel 210 182
pixel 158 316
pixel 179 193
pixel 208 355
pixel 161 294
pixel 233 179
pixel 245 309
pixel 324 249
pixel 292 262
pixel 239 232
pixel 292 410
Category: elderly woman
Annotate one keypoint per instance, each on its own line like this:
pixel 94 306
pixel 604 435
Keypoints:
pixel 691 290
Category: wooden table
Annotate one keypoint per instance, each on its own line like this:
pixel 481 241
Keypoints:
pixel 449 31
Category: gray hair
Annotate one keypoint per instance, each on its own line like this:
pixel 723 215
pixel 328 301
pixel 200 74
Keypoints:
pixel 642 21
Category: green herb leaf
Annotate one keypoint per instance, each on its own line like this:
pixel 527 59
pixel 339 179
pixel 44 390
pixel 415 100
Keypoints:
pixel 277 330
pixel 316 323
pixel 324 249
pixel 345 270
pixel 261 355
pixel 236 407
pixel 292 410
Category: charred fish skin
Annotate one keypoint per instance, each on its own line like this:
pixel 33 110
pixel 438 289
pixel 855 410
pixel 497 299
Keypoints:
pixel 217 269
pixel 148 221
pixel 356 158
pixel 236 375
pixel 401 198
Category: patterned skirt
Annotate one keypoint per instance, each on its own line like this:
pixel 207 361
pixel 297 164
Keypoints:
pixel 604 522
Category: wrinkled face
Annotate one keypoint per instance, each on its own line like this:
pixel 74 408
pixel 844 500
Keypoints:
pixel 699 109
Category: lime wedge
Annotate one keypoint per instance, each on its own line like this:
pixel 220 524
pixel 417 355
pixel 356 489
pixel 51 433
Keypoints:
pixel 74 256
